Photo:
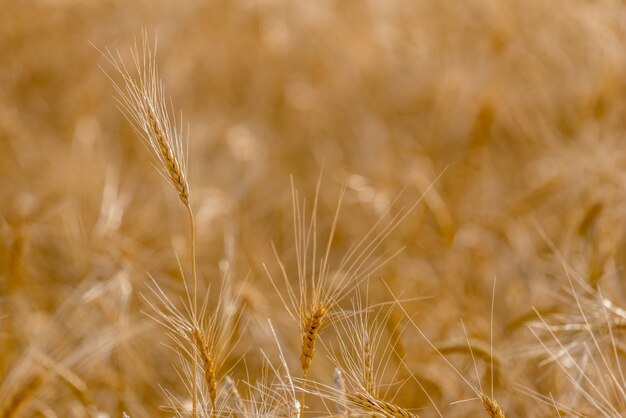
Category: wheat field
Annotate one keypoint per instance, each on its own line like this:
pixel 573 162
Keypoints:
pixel 272 208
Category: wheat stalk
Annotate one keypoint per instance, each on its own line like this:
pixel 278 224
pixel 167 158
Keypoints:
pixel 142 100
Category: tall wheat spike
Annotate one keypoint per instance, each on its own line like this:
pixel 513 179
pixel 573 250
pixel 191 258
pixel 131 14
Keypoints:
pixel 141 97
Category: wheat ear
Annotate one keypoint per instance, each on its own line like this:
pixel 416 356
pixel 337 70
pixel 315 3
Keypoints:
pixel 368 403
pixel 141 98
pixel 368 368
pixel 166 154
pixel 492 407
pixel 311 328
pixel 208 363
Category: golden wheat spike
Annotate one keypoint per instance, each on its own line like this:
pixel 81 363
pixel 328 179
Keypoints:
pixel 142 99
pixel 208 363
pixel 368 366
pixel 370 404
pixel 310 331
pixel 492 407
pixel 167 156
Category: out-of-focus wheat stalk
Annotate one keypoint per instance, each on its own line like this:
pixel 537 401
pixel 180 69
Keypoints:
pixel 21 396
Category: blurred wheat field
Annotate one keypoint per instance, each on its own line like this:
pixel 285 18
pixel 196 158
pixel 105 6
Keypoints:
pixel 464 160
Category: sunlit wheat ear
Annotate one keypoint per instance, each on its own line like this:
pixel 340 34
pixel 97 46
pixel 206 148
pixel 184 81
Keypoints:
pixel 208 363
pixel 368 404
pixel 362 354
pixel 492 407
pixel 368 366
pixel 206 336
pixel 310 329
pixel 141 98
pixel 321 287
